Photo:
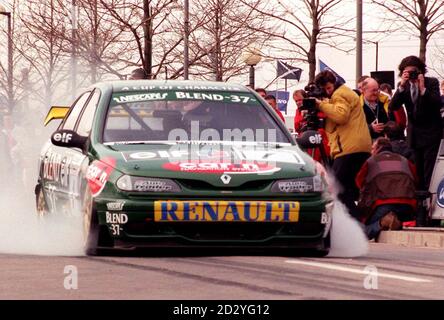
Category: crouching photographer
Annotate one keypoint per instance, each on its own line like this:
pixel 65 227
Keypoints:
pixel 348 134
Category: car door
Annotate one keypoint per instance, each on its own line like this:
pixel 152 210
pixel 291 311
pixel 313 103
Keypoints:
pixel 59 163
pixel 79 159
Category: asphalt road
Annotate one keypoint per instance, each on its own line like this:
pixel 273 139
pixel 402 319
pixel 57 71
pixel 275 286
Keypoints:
pixel 387 272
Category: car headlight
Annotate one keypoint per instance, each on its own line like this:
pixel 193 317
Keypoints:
pixel 300 185
pixel 141 184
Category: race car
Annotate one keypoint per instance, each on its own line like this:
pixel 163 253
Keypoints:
pixel 155 164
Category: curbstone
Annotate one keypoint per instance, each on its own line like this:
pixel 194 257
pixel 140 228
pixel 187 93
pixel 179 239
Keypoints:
pixel 432 239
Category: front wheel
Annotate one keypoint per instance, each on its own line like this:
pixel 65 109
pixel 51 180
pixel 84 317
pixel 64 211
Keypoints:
pixel 94 235
pixel 323 251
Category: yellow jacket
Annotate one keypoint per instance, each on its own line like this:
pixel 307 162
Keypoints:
pixel 345 125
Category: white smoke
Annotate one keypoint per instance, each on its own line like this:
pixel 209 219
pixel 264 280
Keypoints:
pixel 21 232
pixel 347 235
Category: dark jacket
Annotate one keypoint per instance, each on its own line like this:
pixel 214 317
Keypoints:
pixel 401 147
pixel 386 178
pixel 378 114
pixel 424 125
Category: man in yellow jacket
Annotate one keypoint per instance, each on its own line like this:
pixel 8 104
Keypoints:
pixel 348 134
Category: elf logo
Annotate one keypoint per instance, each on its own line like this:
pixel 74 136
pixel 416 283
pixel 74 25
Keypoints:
pixel 315 139
pixel 63 137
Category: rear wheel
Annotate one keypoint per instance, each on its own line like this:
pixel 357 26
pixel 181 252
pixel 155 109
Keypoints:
pixel 40 203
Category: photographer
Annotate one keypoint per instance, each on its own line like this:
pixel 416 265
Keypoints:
pixel 347 131
pixel 420 96
pixel 306 119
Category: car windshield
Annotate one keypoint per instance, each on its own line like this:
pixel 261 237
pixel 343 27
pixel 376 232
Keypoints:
pixel 171 116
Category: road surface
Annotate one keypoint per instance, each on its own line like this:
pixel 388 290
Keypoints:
pixel 387 272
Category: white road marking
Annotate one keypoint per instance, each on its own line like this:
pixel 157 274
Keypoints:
pixel 358 271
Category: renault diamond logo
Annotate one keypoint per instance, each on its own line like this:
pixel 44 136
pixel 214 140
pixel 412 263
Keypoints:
pixel 225 178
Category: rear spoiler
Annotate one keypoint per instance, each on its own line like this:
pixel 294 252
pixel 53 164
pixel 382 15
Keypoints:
pixel 56 112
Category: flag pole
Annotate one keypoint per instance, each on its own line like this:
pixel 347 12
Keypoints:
pixel 289 96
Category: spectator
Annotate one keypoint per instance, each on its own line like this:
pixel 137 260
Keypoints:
pixel 347 131
pixel 375 106
pixel 442 92
pixel 271 100
pixel 387 189
pixel 399 115
pixel 261 92
pixel 387 89
pixel 300 124
pixel 393 132
pixel 4 154
pixel 298 97
pixel 361 80
pixel 420 96
pixel 442 101
pixel 138 74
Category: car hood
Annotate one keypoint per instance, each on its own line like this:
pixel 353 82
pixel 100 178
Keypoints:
pixel 217 164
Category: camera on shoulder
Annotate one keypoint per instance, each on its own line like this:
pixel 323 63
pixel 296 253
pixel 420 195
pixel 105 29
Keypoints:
pixel 313 122
pixel 313 92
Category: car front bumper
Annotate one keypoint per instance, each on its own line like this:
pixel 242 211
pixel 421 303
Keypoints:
pixel 132 223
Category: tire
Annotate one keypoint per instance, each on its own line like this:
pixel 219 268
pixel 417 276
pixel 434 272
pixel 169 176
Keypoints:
pixel 41 205
pixel 321 252
pixel 94 235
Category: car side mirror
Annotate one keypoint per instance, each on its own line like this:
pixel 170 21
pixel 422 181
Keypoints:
pixel 310 139
pixel 68 139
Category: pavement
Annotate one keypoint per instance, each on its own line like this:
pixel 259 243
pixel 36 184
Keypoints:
pixel 414 237
pixel 386 272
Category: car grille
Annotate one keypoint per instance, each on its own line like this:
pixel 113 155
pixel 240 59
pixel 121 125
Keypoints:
pixel 247 186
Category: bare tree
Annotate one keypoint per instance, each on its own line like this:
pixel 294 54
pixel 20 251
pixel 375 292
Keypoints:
pixel 226 27
pixel 145 23
pixel 302 25
pixel 423 18
pixel 42 48
pixel 10 92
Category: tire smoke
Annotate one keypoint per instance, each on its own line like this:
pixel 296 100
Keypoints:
pixel 21 230
pixel 347 235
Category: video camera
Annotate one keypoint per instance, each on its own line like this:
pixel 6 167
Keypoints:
pixel 309 105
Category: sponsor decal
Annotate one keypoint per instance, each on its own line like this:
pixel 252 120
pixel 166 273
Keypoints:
pixel 186 87
pixel 58 169
pixel 116 218
pixel 223 211
pixel 220 167
pixel 63 137
pixel 227 97
pixel 140 97
pixel 115 206
pixel 246 155
pixel 98 174
pixel 440 194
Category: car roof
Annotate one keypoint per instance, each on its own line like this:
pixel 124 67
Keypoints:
pixel 142 85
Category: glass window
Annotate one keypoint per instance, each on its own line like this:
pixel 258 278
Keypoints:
pixel 171 116
pixel 70 122
pixel 86 120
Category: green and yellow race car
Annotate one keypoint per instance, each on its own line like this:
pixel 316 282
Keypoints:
pixel 182 164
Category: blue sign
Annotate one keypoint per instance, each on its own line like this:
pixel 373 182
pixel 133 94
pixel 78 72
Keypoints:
pixel 440 194
pixel 281 99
